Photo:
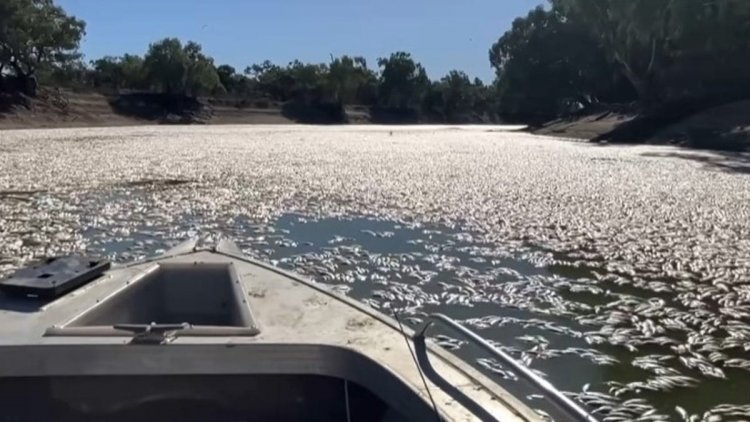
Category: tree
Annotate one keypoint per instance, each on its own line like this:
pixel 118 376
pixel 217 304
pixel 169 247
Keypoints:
pixel 165 65
pixel 671 50
pixel 36 33
pixel 307 78
pixel 174 69
pixel 457 99
pixel 126 71
pixel 235 83
pixel 459 94
pixel 633 33
pixel 72 74
pixel 433 103
pixel 200 72
pixel 133 71
pixel 296 80
pixel 484 104
pixel 708 54
pixel 227 76
pixel 271 80
pixel 403 82
pixel 349 80
pixel 107 71
pixel 547 64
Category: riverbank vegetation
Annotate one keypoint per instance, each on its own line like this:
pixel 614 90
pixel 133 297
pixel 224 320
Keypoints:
pixel 39 41
pixel 659 58
pixel 664 59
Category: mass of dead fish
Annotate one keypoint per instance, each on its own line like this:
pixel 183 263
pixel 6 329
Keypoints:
pixel 636 263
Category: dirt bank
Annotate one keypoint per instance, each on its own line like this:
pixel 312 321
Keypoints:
pixel 726 127
pixel 53 108
pixel 585 127
pixel 61 108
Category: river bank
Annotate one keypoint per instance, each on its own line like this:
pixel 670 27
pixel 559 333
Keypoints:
pixel 54 108
pixel 722 128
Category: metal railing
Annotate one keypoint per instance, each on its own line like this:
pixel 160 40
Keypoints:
pixel 548 390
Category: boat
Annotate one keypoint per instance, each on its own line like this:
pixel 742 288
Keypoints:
pixel 206 333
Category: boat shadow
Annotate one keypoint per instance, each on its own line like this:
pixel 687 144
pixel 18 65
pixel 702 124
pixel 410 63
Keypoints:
pixel 22 304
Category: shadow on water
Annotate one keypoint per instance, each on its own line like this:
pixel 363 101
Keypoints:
pixel 728 162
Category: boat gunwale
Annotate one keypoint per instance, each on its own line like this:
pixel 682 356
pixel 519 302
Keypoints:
pixel 336 361
pixel 510 401
pixel 473 379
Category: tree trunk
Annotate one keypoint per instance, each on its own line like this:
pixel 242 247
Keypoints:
pixel 26 81
pixel 31 86
pixel 642 85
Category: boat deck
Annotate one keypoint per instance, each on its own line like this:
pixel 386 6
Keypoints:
pixel 313 323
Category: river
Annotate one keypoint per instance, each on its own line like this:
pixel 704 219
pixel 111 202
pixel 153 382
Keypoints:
pixel 621 273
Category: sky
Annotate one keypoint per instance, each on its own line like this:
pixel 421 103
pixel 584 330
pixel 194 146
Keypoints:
pixel 441 34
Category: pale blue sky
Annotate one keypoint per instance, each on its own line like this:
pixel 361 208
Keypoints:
pixel 442 34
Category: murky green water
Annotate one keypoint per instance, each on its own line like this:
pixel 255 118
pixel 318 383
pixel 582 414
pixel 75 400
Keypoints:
pixel 534 311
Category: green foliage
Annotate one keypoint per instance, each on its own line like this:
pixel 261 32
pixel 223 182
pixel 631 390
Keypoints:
pixel 345 80
pixel 566 55
pixel 227 76
pixel 272 80
pixel 403 82
pixel 126 71
pixel 173 69
pixel 37 37
pixel 459 94
pixel 708 51
pixel 165 66
pixel 349 81
pixel 547 65
pixel 576 53
pixel 73 74
pixel 632 33
pixel 458 99
pixel 234 83
pixel 35 34
pixel 671 50
pixel 200 72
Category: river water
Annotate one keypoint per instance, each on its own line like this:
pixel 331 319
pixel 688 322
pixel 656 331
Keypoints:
pixel 620 273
